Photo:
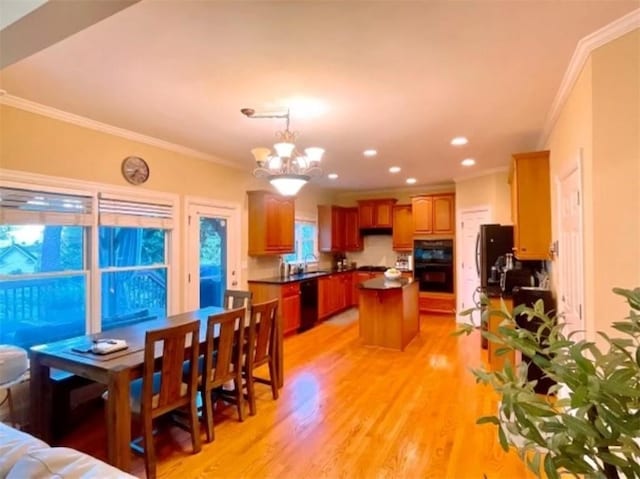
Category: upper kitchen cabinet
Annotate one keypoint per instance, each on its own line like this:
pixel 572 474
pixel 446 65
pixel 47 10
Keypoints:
pixel 433 214
pixel 376 213
pixel 352 235
pixel 271 223
pixel 402 228
pixel 531 205
pixel 331 228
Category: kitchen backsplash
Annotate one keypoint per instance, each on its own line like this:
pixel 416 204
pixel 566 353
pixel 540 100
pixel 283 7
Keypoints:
pixel 378 251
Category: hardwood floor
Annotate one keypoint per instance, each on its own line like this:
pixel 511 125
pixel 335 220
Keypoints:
pixel 349 411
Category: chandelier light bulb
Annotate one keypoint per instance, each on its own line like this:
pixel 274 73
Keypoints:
pixel 288 185
pixel 275 163
pixel 314 154
pixel 284 149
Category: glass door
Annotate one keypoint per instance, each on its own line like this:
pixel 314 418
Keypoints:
pixel 213 255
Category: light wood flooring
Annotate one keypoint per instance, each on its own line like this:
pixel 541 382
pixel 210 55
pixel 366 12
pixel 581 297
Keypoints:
pixel 348 411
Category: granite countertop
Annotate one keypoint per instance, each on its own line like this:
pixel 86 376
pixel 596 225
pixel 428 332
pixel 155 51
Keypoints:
pixel 384 283
pixel 292 278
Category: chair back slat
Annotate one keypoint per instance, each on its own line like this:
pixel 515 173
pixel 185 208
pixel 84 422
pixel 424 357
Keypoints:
pixel 223 355
pixel 234 298
pixel 262 331
pixel 174 341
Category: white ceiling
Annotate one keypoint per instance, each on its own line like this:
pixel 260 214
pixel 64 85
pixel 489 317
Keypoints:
pixel 400 77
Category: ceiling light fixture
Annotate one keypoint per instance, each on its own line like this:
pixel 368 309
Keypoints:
pixel 468 162
pixel 287 170
pixel 411 181
pixel 369 153
pixel 394 169
pixel 459 141
pixel 332 176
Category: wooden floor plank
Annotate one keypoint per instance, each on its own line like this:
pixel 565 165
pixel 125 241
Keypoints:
pixel 349 411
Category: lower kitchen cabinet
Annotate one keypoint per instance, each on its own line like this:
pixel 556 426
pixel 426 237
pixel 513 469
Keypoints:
pixel 290 304
pixel 437 302
pixel 334 293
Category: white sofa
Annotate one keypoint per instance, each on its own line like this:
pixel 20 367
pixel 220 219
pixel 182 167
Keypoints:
pixel 22 456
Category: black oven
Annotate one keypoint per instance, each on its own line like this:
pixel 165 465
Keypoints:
pixel 433 265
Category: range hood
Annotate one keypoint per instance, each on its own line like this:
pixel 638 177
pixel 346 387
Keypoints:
pixel 376 231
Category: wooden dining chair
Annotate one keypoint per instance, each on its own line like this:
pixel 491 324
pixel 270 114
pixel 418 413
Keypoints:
pixel 222 362
pixel 235 298
pixel 261 349
pixel 158 393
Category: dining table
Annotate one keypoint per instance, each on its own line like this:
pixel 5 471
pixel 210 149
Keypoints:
pixel 115 371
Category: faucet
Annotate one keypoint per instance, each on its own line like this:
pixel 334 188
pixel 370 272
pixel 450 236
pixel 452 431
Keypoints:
pixel 315 258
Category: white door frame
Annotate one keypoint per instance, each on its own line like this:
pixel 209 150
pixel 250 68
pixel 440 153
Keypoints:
pixel 211 207
pixel 569 169
pixel 459 244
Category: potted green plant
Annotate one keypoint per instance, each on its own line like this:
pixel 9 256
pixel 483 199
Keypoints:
pixel 588 425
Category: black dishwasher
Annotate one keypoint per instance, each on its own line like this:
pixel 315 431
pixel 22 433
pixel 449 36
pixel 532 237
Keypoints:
pixel 308 303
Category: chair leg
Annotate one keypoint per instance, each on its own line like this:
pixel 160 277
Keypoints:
pixel 237 382
pixel 195 426
pixel 149 449
pixel 208 414
pixel 273 376
pixel 251 392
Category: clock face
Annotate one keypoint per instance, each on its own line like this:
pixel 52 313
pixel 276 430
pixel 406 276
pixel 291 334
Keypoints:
pixel 135 170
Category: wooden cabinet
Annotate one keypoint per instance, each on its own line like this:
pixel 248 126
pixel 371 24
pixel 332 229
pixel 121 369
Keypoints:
pixel 271 223
pixel 338 229
pixel 402 228
pixel 290 304
pixel 422 214
pixel 352 236
pixel 433 214
pixel 443 303
pixel 531 205
pixel 334 293
pixel 376 213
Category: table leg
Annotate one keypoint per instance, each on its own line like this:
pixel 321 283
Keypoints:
pixel 279 351
pixel 40 399
pixel 119 420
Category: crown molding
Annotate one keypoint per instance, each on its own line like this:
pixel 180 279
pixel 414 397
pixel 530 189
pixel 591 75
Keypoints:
pixel 586 46
pixel 479 174
pixel 50 112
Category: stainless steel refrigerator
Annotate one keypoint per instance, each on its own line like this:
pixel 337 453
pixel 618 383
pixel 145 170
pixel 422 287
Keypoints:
pixel 493 242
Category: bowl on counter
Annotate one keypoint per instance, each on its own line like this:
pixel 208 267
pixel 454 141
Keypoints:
pixel 392 274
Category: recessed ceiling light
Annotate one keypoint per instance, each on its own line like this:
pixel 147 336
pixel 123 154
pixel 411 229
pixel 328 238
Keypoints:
pixel 411 181
pixel 468 162
pixel 369 152
pixel 332 176
pixel 459 141
pixel 394 169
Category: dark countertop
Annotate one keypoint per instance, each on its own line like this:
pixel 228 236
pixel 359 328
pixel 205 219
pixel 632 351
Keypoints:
pixel 384 283
pixel 298 277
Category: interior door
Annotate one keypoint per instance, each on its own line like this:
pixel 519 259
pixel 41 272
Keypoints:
pixel 570 251
pixel 214 254
pixel 470 222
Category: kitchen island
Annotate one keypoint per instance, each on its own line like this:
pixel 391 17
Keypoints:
pixel 389 312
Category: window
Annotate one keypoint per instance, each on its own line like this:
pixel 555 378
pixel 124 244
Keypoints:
pixel 133 275
pixel 133 260
pixel 43 287
pixel 306 236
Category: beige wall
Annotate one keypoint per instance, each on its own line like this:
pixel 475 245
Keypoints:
pixel 490 190
pixel 38 144
pixel 602 117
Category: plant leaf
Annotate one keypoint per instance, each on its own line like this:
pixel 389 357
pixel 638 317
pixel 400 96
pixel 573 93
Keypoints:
pixel 503 440
pixel 488 420
pixel 550 467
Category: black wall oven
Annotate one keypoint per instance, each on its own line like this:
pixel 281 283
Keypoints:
pixel 433 265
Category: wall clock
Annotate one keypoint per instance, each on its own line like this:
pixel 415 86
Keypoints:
pixel 135 170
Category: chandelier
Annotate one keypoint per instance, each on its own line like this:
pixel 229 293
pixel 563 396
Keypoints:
pixel 286 168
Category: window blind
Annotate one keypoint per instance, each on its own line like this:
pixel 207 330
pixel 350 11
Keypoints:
pixel 127 213
pixel 23 206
